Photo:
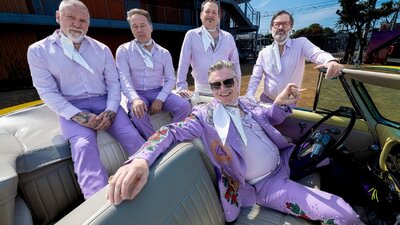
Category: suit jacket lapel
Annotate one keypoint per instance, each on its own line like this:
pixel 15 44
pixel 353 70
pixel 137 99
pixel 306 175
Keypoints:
pixel 272 133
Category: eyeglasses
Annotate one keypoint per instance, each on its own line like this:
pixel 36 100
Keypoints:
pixel 228 83
pixel 285 25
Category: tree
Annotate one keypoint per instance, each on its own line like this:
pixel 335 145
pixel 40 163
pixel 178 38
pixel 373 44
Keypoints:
pixel 358 15
pixel 328 31
pixel 315 33
pixel 314 29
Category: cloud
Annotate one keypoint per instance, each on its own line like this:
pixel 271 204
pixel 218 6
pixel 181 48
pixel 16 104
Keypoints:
pixel 259 5
pixel 327 17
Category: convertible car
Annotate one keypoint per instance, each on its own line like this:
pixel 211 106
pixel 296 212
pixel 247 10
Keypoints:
pixel 347 143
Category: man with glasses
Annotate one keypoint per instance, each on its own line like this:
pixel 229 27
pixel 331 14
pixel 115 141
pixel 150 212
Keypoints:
pixel 283 61
pixel 202 47
pixel 249 155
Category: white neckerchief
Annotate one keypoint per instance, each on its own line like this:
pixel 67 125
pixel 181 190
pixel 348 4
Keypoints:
pixel 208 40
pixel 275 57
pixel 71 53
pixel 146 55
pixel 222 117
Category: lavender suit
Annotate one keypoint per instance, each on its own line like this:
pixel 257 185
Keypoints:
pixel 193 54
pixel 292 61
pixel 149 84
pixel 275 191
pixel 69 88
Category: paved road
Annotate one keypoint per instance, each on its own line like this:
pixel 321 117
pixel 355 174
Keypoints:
pixel 12 98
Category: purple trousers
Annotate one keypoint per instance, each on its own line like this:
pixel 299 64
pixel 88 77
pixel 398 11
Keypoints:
pixel 92 175
pixel 280 193
pixel 179 107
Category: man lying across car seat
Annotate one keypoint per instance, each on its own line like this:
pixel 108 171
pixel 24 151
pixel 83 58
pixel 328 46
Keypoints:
pixel 249 154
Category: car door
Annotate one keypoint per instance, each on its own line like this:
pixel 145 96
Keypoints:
pixel 329 96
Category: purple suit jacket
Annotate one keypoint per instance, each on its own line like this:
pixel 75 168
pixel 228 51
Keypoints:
pixel 227 159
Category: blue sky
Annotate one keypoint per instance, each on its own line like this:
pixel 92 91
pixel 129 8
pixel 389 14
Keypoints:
pixel 305 12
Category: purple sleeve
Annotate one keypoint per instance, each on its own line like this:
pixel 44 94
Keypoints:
pixel 122 59
pixel 112 82
pixel 184 62
pixel 166 136
pixel 277 114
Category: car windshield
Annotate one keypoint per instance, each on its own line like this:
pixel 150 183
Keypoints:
pixel 379 93
pixel 386 101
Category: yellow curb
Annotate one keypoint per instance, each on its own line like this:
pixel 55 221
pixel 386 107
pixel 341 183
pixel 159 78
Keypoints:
pixel 19 107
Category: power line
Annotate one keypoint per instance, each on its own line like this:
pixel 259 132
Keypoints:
pixel 306 8
pixel 324 5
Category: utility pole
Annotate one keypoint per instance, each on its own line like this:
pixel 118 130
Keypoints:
pixel 395 16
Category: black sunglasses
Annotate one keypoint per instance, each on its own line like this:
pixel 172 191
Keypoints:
pixel 228 83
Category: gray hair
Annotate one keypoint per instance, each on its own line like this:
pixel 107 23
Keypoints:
pixel 136 11
pixel 207 1
pixel 221 64
pixel 280 12
pixel 65 3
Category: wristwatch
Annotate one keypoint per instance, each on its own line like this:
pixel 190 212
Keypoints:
pixel 284 108
pixel 336 60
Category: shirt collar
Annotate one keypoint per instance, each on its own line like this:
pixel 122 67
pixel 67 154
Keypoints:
pixel 202 27
pixel 288 43
pixel 55 38
pixel 155 45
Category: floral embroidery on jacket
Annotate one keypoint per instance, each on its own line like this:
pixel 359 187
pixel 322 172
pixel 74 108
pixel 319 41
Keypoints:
pixel 210 114
pixel 329 221
pixel 231 188
pixel 296 210
pixel 220 152
pixel 159 135
pixel 181 123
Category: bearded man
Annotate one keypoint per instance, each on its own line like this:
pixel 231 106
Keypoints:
pixel 76 77
pixel 283 61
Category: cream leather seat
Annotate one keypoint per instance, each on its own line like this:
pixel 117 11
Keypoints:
pixel 38 185
pixel 36 158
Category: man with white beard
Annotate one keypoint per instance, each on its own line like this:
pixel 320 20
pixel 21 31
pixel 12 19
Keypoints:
pixel 76 77
pixel 283 61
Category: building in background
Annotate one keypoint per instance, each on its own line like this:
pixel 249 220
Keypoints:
pixel 24 22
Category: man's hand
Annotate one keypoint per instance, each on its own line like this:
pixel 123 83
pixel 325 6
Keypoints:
pixel 185 93
pixel 139 108
pixel 333 69
pixel 106 118
pixel 128 181
pixel 156 107
pixel 289 95
pixel 86 119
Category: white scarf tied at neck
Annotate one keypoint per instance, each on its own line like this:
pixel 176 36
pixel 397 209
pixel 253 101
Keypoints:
pixel 222 117
pixel 71 53
pixel 275 58
pixel 144 53
pixel 208 40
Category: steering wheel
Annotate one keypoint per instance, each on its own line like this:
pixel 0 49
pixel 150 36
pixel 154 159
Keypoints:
pixel 316 145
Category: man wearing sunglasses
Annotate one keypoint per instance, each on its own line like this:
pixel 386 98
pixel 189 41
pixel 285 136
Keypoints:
pixel 202 47
pixel 283 61
pixel 250 156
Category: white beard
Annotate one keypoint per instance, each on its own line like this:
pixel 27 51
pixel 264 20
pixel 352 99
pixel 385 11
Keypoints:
pixel 280 42
pixel 75 39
